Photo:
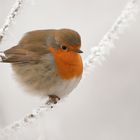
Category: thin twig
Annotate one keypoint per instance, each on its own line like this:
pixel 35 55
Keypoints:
pixel 27 120
pixel 12 14
pixel 98 53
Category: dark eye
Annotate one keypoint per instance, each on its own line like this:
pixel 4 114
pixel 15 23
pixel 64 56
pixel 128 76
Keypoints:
pixel 64 47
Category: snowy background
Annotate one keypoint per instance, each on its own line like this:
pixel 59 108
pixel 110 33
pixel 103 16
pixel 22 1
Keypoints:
pixel 106 104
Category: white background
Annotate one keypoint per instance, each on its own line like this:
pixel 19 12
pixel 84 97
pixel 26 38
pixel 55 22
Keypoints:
pixel 106 104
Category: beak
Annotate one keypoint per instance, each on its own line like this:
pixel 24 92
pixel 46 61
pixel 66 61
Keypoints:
pixel 78 51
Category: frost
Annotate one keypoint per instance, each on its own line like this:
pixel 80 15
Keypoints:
pixel 98 53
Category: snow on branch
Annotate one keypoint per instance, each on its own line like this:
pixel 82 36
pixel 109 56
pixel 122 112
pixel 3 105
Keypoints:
pixel 12 14
pixel 98 53
pixel 26 121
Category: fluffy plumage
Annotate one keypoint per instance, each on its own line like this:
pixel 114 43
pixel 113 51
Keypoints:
pixel 47 62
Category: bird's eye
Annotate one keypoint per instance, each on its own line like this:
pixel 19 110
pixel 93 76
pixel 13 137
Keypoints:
pixel 64 47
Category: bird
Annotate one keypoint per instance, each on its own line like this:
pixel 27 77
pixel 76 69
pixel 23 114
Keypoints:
pixel 47 62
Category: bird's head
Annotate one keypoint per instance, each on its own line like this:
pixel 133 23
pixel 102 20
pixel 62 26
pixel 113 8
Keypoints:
pixel 66 51
pixel 65 40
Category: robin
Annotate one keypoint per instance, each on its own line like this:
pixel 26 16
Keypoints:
pixel 47 62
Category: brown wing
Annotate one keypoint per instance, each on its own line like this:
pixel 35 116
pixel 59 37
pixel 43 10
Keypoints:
pixel 25 54
pixel 31 47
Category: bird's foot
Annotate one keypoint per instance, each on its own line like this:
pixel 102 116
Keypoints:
pixel 53 99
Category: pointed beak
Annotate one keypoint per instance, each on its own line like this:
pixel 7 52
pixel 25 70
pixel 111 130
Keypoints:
pixel 78 51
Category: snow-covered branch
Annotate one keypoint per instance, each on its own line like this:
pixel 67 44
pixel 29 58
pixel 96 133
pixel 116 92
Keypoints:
pixel 98 53
pixel 26 121
pixel 13 12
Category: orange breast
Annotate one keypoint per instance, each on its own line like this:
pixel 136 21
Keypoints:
pixel 69 64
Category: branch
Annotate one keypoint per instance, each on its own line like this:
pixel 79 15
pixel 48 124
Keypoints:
pixel 12 14
pixel 26 121
pixel 98 53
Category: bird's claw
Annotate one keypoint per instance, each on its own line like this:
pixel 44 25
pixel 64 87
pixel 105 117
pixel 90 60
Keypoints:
pixel 53 99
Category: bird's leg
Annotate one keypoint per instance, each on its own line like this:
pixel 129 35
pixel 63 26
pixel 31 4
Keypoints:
pixel 53 99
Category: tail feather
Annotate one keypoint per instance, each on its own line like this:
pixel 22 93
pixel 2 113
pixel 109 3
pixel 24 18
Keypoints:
pixel 2 56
